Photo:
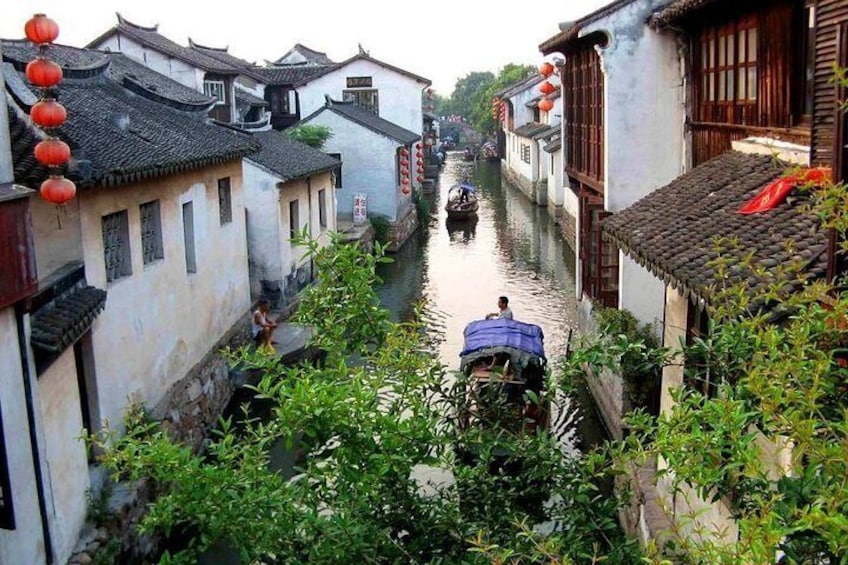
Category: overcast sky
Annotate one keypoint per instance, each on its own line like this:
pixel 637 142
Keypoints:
pixel 442 40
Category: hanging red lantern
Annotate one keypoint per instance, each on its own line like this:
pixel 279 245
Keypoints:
pixel 43 73
pixel 48 113
pixel 547 88
pixel 420 169
pixel 418 145
pixel 405 190
pixel 404 162
pixel 546 105
pixel 52 152
pixel 57 190
pixel 404 171
pixel 404 180
pixel 41 29
pixel 419 178
pixel 546 69
pixel 404 151
pixel 419 154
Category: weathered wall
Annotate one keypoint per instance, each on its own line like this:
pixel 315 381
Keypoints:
pixel 24 544
pixel 160 321
pixel 176 69
pixel 265 233
pixel 55 246
pixel 67 464
pixel 369 167
pixel 399 95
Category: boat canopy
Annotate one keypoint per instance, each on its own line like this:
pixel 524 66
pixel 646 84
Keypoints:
pixel 484 336
pixel 466 185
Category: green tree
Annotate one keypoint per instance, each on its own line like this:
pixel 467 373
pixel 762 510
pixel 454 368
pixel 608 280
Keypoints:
pixel 312 135
pixel 374 420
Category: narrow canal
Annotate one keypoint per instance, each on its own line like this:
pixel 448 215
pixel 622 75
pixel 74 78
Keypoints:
pixel 459 269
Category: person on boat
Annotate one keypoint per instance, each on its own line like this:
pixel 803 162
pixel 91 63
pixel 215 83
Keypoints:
pixel 464 192
pixel 262 328
pixel 503 310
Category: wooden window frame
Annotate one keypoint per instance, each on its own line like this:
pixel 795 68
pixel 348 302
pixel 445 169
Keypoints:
pixel 357 96
pixel 211 87
pixel 117 254
pixel 322 208
pixel 598 257
pixel 150 220
pixel 294 218
pixel 726 63
pixel 225 201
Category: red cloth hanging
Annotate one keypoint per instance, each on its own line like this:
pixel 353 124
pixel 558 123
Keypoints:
pixel 775 192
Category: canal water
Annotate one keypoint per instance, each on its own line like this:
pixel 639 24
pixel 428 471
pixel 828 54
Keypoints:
pixel 459 269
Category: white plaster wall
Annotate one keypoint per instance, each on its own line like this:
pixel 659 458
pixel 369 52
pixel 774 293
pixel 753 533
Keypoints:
pixel 643 129
pixel 640 292
pixel 265 234
pixel 369 167
pixel 25 543
pixel 67 465
pixel 556 191
pixel 160 321
pixel 54 245
pixel 516 163
pixel 174 68
pixel 399 95
pixel 674 332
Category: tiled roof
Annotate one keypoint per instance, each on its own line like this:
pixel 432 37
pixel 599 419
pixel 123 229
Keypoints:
pixel 118 132
pixel 312 56
pixel 121 69
pixel 548 132
pixel 520 86
pixel 222 54
pixel 60 324
pixel 286 75
pixel 249 98
pixel 288 158
pixel 571 30
pixel 364 57
pixel 530 130
pixel 369 120
pixel 554 145
pixel 671 232
pixel 150 37
pixel 675 11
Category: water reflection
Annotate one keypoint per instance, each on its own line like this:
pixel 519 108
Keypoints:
pixel 461 231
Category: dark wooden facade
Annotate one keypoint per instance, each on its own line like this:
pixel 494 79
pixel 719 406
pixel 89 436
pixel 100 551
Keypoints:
pixel 18 275
pixel 283 112
pixel 583 83
pixel 831 37
pixel 222 112
pixel 750 63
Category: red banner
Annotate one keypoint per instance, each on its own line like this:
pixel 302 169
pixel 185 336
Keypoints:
pixel 775 192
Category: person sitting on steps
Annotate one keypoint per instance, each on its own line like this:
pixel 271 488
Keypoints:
pixel 262 329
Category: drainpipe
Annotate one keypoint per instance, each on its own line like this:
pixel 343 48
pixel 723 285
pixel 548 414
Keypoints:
pixel 7 175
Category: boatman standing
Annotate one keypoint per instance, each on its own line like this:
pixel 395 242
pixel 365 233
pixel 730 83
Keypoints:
pixel 503 310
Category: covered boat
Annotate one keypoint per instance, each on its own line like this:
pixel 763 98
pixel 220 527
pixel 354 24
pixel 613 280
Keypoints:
pixel 502 374
pixel 462 201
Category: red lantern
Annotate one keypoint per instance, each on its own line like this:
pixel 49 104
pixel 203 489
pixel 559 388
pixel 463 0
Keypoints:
pixel 52 152
pixel 57 190
pixel 41 29
pixel 404 180
pixel 404 162
pixel 48 113
pixel 418 146
pixel 419 170
pixel 419 154
pixel 404 151
pixel 405 190
pixel 546 69
pixel 547 88
pixel 43 73
pixel 419 178
pixel 404 171
pixel 546 105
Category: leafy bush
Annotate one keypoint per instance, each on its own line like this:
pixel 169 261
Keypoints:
pixel 312 135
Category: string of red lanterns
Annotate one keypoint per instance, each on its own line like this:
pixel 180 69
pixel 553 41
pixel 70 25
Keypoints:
pixel 546 69
pixel 47 113
pixel 419 155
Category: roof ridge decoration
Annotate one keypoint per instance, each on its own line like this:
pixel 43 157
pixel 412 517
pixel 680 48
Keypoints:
pixel 123 21
pixel 195 45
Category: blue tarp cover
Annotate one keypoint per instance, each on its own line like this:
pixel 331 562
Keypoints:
pixel 482 334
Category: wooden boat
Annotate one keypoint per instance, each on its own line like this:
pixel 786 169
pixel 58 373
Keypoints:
pixel 459 208
pixel 470 153
pixel 502 374
pixel 490 151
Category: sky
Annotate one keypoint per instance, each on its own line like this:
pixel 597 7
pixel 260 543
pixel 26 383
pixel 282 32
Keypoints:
pixel 442 40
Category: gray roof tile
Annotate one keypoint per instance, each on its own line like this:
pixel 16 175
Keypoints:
pixel 288 158
pixel 672 231
pixel 286 75
pixel 369 120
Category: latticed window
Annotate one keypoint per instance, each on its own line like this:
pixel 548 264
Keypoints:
pixel 368 99
pixel 116 245
pixel 7 511
pixel 225 202
pixel 151 232
pixel 525 152
pixel 215 88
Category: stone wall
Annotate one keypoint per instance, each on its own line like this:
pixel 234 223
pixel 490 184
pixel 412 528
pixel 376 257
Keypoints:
pixel 400 231
pixel 527 187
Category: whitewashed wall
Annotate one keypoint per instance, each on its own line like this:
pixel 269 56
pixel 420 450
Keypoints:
pixel 272 256
pixel 643 129
pixel 399 95
pixel 176 69
pixel 369 167
pixel 55 244
pixel 160 321
pixel 25 544
pixel 67 463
